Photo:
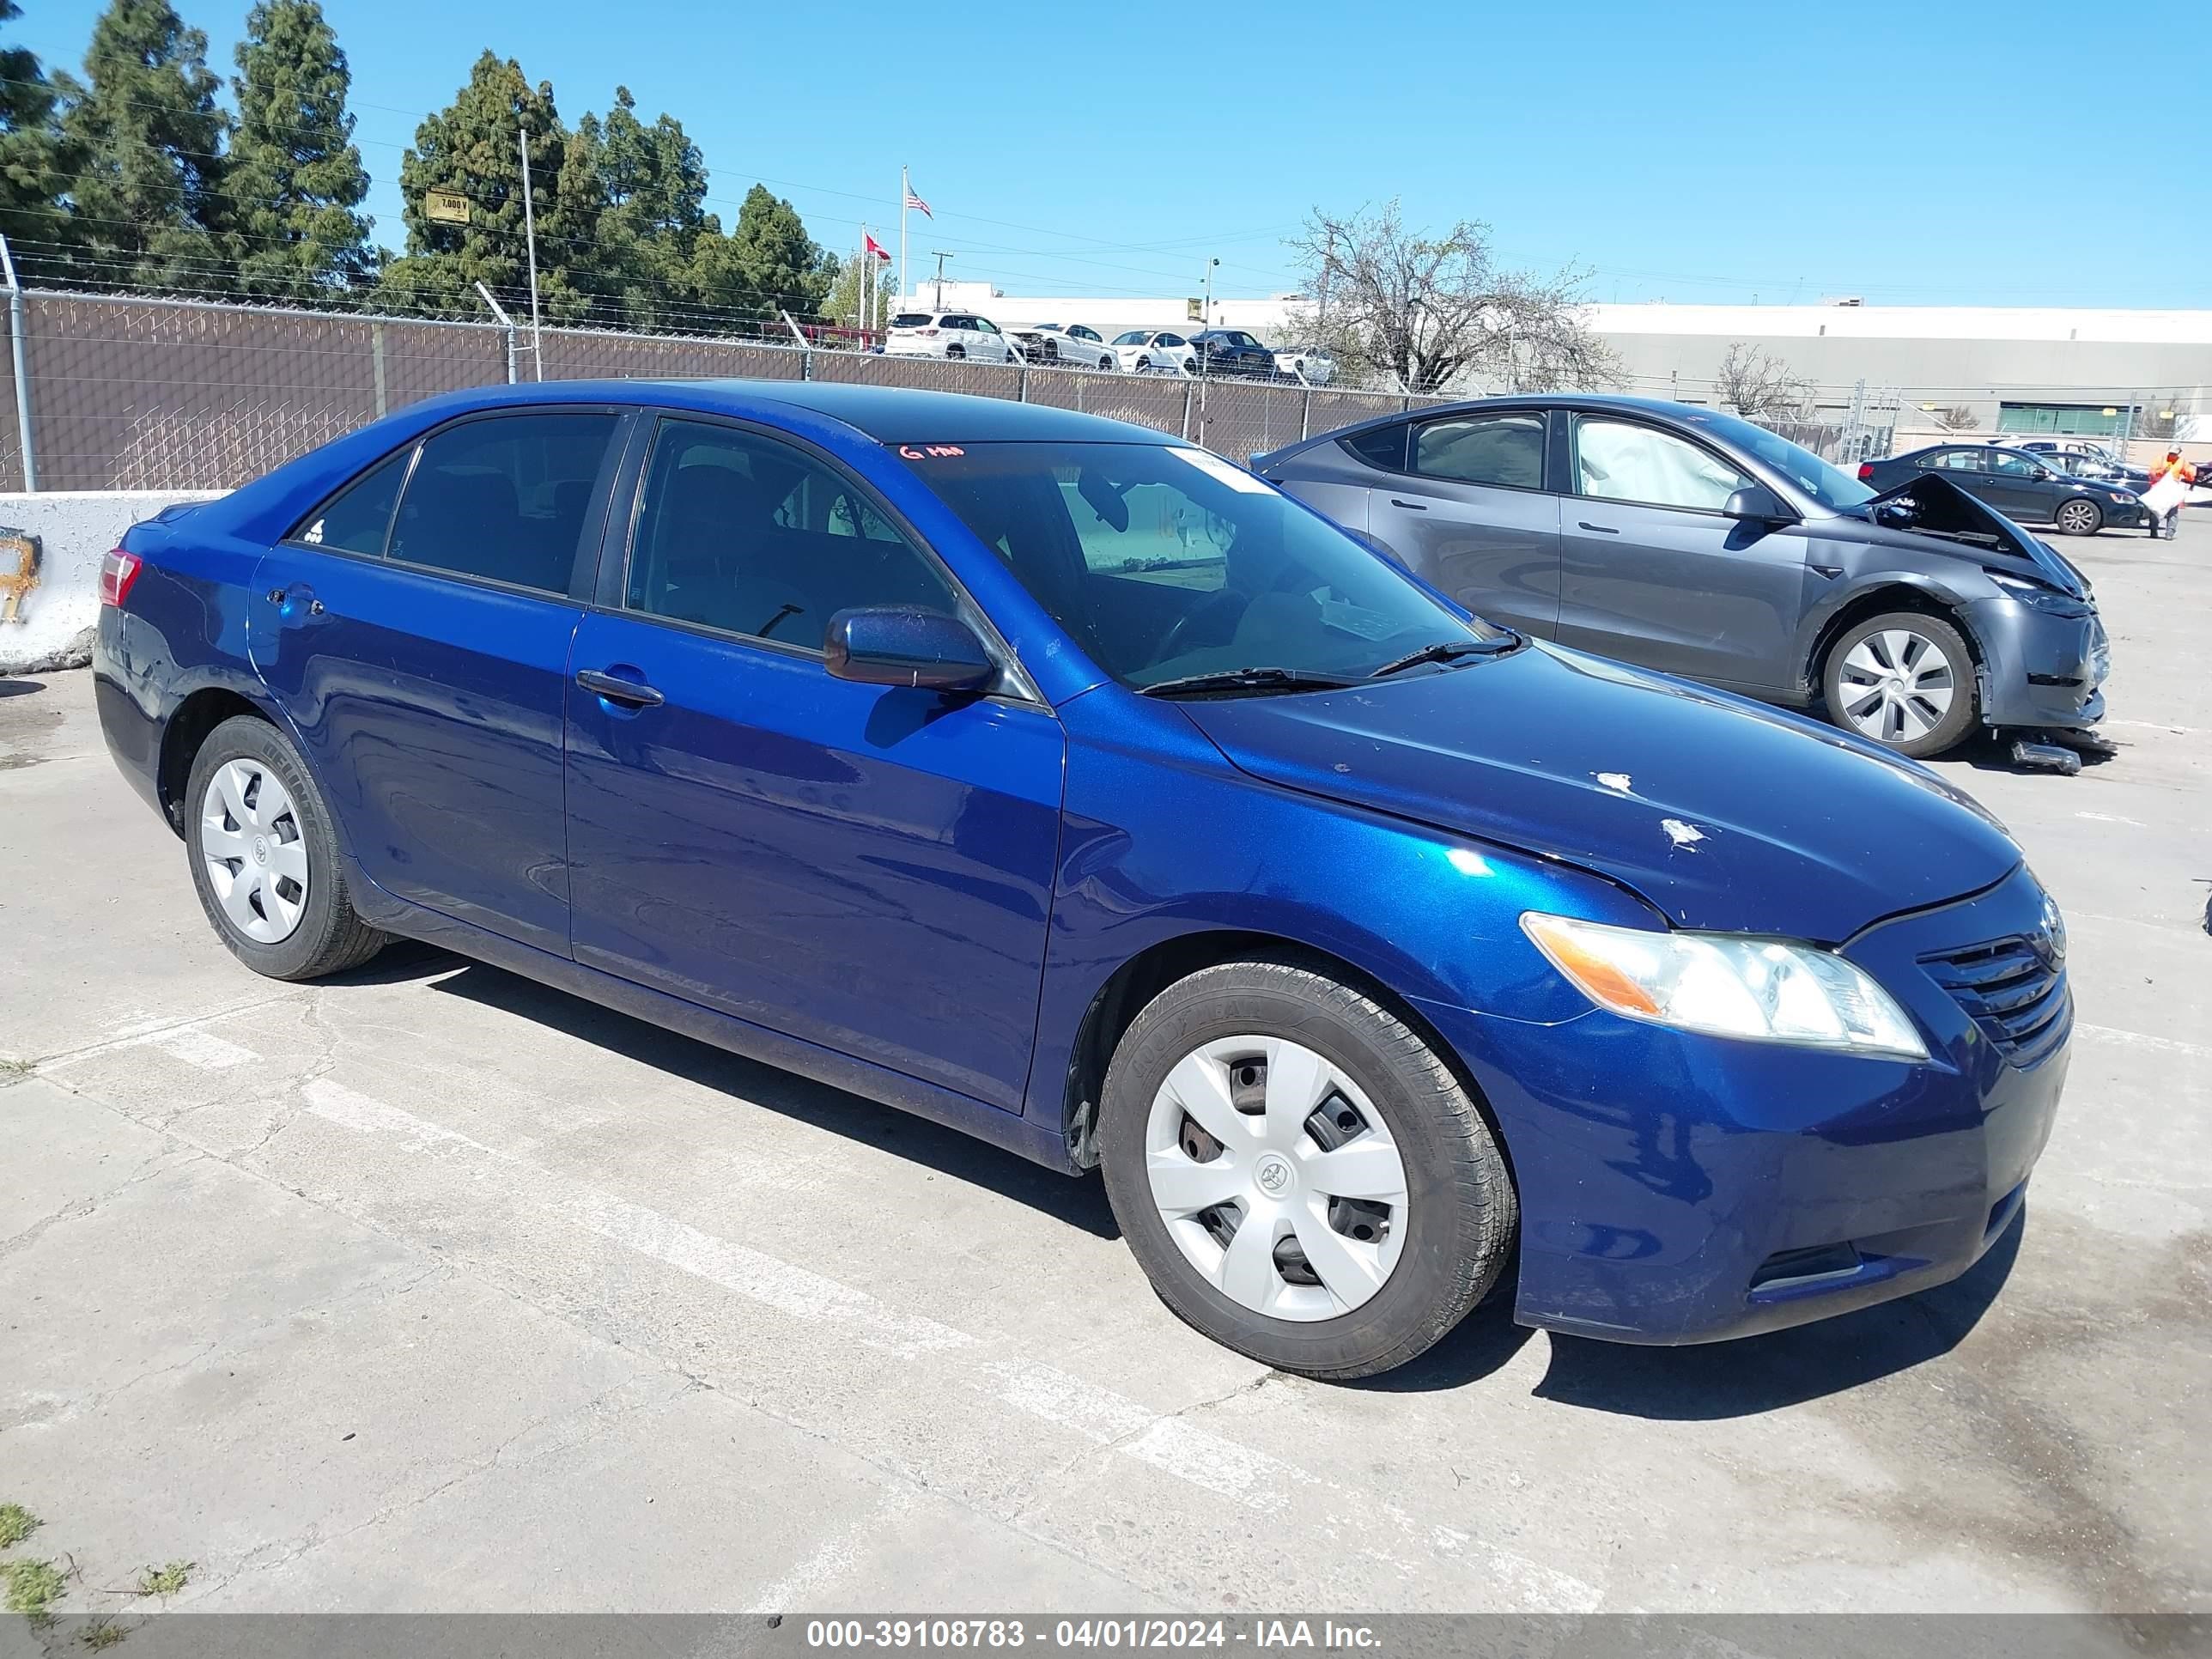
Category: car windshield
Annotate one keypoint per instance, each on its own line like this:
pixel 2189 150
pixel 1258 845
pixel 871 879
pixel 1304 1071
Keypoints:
pixel 1165 562
pixel 1831 486
pixel 1134 337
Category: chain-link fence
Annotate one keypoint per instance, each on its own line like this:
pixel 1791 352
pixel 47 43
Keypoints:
pixel 133 394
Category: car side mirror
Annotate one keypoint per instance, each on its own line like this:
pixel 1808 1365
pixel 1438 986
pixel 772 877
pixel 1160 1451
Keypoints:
pixel 2044 475
pixel 1758 503
pixel 906 646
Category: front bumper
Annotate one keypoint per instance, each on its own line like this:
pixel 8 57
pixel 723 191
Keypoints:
pixel 2040 667
pixel 1677 1188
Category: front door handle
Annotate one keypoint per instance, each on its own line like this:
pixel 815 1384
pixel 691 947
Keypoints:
pixel 1602 528
pixel 614 689
pixel 1411 507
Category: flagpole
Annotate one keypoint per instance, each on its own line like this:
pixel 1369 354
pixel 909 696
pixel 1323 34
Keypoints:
pixel 905 190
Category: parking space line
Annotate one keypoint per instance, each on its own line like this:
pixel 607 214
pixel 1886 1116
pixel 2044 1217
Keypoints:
pixel 1230 1469
pixel 831 1560
pixel 1164 1442
pixel 138 1034
pixel 2165 1045
pixel 795 1291
pixel 204 1049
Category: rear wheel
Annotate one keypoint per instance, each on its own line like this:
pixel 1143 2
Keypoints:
pixel 264 857
pixel 1143 363
pixel 1301 1176
pixel 1905 679
pixel 2079 518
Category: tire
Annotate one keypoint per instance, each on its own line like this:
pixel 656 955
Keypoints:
pixel 229 795
pixel 1880 685
pixel 1435 1241
pixel 1143 363
pixel 955 353
pixel 2079 518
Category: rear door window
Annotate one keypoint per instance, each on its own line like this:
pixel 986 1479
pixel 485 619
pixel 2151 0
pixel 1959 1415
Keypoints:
pixel 1507 450
pixel 358 518
pixel 504 499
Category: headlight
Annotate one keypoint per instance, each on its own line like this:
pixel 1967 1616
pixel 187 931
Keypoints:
pixel 1725 985
pixel 2040 595
pixel 2121 497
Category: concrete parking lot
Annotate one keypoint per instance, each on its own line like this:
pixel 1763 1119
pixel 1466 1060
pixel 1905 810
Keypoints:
pixel 429 1289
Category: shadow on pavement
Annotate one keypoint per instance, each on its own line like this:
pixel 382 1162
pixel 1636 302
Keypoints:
pixel 1077 1202
pixel 10 687
pixel 1757 1374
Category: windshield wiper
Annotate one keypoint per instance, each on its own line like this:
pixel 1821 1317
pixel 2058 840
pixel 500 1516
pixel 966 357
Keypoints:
pixel 1445 650
pixel 1246 679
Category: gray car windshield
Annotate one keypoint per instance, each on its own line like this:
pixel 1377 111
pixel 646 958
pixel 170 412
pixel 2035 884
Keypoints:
pixel 1164 562
pixel 1830 486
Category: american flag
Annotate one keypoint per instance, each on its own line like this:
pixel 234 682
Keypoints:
pixel 915 201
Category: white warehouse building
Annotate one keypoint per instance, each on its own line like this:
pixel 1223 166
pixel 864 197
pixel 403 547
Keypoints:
pixel 2017 370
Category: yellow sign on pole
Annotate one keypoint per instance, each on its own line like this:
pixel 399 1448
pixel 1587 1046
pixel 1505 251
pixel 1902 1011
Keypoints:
pixel 1194 311
pixel 446 207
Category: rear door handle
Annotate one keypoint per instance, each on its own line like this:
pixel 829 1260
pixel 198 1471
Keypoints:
pixel 614 689
pixel 279 596
pixel 1602 528
pixel 1411 507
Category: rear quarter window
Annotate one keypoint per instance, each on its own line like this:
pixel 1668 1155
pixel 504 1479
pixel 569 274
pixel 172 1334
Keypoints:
pixel 1382 446
pixel 359 517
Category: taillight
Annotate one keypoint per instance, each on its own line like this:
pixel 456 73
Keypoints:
pixel 1866 471
pixel 927 333
pixel 118 571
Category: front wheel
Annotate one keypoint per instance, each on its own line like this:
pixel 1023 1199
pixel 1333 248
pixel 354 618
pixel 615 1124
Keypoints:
pixel 1300 1176
pixel 956 352
pixel 2079 518
pixel 1905 679
pixel 264 857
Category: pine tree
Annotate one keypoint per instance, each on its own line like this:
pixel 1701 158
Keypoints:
pixel 470 149
pixel 147 196
pixel 33 163
pixel 767 263
pixel 294 179
pixel 650 185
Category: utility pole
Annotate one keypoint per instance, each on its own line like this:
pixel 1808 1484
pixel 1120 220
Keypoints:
pixel 530 239
pixel 23 370
pixel 941 257
pixel 1210 265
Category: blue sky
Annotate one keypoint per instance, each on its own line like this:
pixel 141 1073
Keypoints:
pixel 1705 152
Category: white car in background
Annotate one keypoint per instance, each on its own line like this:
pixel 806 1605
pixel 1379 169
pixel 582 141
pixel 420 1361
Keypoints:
pixel 1143 350
pixel 953 334
pixel 1309 364
pixel 1076 344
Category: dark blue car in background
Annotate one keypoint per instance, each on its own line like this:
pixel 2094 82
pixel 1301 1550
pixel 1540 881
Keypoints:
pixel 1070 786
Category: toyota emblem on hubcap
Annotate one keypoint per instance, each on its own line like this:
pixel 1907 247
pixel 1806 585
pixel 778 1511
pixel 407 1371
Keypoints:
pixel 1272 1174
pixel 261 849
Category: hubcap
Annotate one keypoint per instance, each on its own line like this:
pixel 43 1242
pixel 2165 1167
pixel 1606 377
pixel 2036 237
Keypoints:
pixel 256 856
pixel 2074 516
pixel 1897 686
pixel 1277 1178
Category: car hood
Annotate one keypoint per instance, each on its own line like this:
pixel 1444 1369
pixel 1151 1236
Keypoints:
pixel 1935 506
pixel 1723 815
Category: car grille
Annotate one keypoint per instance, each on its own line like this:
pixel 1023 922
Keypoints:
pixel 2017 997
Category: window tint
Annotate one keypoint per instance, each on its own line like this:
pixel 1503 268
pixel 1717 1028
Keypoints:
pixel 1485 449
pixel 911 320
pixel 359 517
pixel 1618 461
pixel 2011 467
pixel 1172 340
pixel 503 498
pixel 1959 460
pixel 1382 446
pixel 746 534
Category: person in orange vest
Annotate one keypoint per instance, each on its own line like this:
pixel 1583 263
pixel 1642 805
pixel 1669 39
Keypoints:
pixel 2168 524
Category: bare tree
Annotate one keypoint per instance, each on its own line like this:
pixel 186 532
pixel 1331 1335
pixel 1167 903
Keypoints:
pixel 1959 417
pixel 1419 312
pixel 1757 385
pixel 2165 424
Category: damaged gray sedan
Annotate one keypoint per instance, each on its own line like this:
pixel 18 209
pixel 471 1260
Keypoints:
pixel 1688 540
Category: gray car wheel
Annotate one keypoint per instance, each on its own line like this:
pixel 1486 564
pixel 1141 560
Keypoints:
pixel 2079 518
pixel 1301 1176
pixel 1905 679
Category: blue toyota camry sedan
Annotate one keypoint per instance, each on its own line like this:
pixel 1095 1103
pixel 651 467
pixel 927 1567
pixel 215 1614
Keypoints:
pixel 1069 785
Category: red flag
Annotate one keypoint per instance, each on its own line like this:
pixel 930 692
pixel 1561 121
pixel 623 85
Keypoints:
pixel 877 248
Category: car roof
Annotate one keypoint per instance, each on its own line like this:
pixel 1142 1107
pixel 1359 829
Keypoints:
pixel 886 414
